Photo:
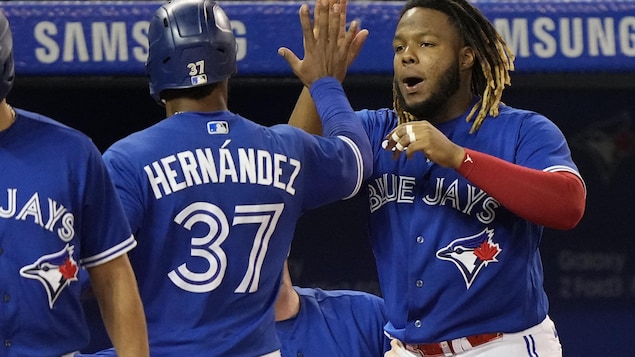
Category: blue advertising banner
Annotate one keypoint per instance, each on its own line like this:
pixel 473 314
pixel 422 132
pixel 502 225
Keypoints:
pixel 69 38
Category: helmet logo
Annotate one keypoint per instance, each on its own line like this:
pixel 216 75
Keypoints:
pixel 197 72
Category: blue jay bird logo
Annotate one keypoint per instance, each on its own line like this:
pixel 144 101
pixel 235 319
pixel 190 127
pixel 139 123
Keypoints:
pixel 55 271
pixel 471 254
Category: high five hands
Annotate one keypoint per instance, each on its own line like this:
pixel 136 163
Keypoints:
pixel 329 48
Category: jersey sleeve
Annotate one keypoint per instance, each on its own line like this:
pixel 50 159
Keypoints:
pixel 127 186
pixel 339 120
pixel 104 226
pixel 543 146
pixel 340 160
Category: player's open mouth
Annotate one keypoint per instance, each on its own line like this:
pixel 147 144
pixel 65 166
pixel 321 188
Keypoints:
pixel 411 84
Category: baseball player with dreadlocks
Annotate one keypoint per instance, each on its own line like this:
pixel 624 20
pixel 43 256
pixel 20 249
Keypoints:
pixel 213 198
pixel 462 188
pixel 59 211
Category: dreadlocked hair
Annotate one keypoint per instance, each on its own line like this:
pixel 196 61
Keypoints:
pixel 494 59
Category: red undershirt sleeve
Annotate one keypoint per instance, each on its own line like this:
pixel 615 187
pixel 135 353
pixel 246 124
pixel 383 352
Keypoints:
pixel 551 199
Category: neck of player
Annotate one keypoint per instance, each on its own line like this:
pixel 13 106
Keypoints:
pixel 7 115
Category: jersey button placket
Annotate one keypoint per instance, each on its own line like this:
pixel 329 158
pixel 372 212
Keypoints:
pixel 419 282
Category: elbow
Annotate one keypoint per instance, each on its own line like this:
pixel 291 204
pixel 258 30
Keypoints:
pixel 570 219
pixel 367 169
pixel 367 159
pixel 572 212
pixel 574 206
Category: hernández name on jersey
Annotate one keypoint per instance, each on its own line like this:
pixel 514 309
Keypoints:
pixel 401 189
pixel 204 165
pixel 56 218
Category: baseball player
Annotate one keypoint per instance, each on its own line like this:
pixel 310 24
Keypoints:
pixel 213 198
pixel 462 187
pixel 59 212
pixel 315 322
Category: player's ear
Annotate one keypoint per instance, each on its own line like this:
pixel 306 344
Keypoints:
pixel 466 57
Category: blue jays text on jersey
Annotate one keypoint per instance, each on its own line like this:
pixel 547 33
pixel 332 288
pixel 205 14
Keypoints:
pixel 203 165
pixel 400 189
pixel 441 243
pixel 55 218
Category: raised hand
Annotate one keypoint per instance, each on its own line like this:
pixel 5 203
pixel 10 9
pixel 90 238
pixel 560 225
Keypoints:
pixel 326 44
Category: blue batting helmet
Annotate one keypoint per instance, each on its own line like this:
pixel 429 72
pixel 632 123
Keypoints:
pixel 6 57
pixel 191 44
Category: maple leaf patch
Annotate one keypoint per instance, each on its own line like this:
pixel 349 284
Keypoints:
pixel 55 271
pixel 471 254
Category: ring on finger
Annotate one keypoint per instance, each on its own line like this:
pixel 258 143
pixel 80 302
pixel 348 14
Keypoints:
pixel 411 134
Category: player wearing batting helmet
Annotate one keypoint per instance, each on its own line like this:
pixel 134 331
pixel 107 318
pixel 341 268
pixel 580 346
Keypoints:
pixel 461 189
pixel 59 211
pixel 212 197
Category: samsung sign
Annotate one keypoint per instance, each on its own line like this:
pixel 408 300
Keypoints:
pixel 102 38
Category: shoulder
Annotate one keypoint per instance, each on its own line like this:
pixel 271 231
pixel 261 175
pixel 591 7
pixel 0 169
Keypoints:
pixel 378 123
pixel 51 126
pixel 522 115
pixel 55 138
pixel 378 116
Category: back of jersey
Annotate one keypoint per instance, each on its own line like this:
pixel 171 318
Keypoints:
pixel 213 200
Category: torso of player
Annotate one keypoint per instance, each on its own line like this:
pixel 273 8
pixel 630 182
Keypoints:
pixel 215 208
pixel 456 245
pixel 42 186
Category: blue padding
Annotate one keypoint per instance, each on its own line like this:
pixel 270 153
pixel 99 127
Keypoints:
pixel 68 38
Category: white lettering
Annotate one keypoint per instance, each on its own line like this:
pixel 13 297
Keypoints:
pixel 32 208
pixel 571 34
pixel 186 169
pixel 140 36
pixel 241 42
pixel 516 37
pixel 111 42
pixel 74 36
pixel 627 35
pixel 601 37
pixel 547 47
pixel 51 50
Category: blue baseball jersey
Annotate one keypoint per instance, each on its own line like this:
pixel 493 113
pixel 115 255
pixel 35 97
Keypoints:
pixel 59 211
pixel 452 261
pixel 213 200
pixel 335 323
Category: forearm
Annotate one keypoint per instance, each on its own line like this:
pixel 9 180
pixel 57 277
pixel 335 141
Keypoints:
pixel 116 290
pixel 339 119
pixel 305 115
pixel 552 199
